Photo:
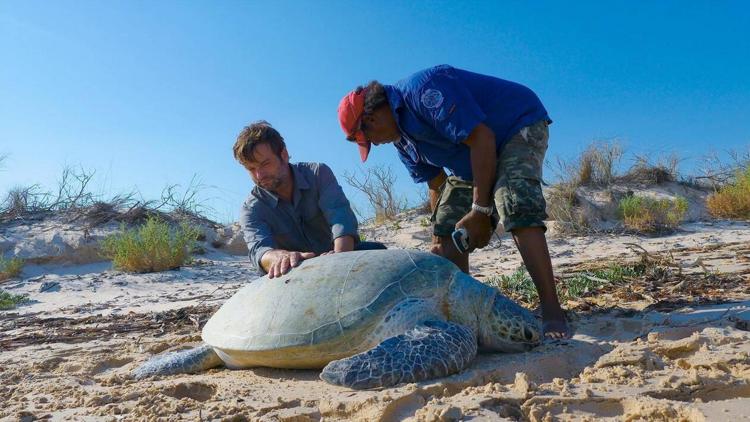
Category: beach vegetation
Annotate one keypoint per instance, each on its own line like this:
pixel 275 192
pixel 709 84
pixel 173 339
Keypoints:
pixel 74 197
pixel 652 170
pixel 153 246
pixel 732 200
pixel 10 301
pixel 651 216
pixel 596 166
pixel 377 183
pixel 600 167
pixel 10 267
pixel 516 285
pixel 520 287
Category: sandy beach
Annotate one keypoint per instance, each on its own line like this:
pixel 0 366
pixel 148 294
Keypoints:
pixel 676 352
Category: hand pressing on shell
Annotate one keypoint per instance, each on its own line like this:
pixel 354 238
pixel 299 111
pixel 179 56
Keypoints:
pixel 279 262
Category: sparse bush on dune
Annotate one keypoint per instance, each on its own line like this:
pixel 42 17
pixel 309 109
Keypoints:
pixel 732 200
pixel 563 207
pixel 596 166
pixel 10 268
pixel 154 246
pixel 650 216
pixel 73 197
pixel 652 171
pixel 377 184
pixel 719 170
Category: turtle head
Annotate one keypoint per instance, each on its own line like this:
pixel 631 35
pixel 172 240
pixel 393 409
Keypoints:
pixel 508 327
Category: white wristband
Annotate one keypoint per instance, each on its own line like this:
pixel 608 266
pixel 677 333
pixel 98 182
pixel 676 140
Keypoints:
pixel 484 210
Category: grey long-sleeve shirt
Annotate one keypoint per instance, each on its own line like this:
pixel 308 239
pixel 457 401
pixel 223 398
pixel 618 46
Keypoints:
pixel 318 214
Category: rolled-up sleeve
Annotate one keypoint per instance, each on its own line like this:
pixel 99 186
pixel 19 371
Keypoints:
pixel 257 234
pixel 334 205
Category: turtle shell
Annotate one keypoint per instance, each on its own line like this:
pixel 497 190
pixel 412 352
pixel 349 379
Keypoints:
pixel 324 309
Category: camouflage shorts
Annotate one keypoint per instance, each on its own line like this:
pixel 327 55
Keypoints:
pixel 518 190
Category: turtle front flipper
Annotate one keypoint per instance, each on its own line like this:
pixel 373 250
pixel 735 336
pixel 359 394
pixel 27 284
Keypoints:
pixel 432 349
pixel 183 362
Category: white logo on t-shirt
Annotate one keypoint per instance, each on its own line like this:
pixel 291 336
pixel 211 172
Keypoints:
pixel 432 98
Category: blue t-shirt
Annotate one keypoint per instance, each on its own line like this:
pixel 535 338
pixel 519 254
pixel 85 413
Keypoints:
pixel 437 108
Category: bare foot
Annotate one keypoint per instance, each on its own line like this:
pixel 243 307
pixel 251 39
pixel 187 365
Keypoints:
pixel 556 328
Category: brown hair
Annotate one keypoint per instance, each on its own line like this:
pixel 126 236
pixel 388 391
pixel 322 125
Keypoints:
pixel 260 132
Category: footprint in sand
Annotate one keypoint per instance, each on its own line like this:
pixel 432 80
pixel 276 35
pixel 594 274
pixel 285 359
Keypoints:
pixel 195 390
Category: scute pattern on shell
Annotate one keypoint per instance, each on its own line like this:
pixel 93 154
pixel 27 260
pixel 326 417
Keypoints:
pixel 325 298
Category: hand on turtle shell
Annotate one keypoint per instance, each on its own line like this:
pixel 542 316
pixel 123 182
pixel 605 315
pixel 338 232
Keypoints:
pixel 286 261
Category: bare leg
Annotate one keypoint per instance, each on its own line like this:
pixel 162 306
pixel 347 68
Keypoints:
pixel 447 249
pixel 532 245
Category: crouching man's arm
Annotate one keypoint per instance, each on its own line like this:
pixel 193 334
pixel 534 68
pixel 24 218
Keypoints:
pixel 263 253
pixel 337 211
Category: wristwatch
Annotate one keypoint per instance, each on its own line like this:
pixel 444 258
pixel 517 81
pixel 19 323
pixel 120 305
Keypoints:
pixel 484 210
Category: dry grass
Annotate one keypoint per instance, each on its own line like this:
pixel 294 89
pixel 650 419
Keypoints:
pixel 154 246
pixel 652 216
pixel 733 200
pixel 652 172
pixel 10 268
pixel 596 166
pixel 74 199
pixel 563 207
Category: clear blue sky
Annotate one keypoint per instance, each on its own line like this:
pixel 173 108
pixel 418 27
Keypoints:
pixel 150 93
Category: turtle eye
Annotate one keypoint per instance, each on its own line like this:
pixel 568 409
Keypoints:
pixel 527 334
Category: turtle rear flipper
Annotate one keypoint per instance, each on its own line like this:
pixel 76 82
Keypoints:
pixel 183 362
pixel 430 350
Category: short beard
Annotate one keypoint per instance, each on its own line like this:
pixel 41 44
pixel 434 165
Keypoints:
pixel 272 184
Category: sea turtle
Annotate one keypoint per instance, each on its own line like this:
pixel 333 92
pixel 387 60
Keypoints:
pixel 370 318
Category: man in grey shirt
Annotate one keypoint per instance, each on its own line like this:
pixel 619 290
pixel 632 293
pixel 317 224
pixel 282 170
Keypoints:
pixel 295 211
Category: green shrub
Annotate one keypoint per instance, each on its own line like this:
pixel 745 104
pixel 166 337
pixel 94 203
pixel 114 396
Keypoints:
pixel 584 283
pixel 154 246
pixel 10 268
pixel 648 215
pixel 733 200
pixel 10 301
pixel 517 286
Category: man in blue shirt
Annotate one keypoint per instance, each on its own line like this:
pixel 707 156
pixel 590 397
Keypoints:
pixel 491 134
pixel 295 211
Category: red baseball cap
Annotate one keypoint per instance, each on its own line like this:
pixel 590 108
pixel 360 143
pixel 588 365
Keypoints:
pixel 351 108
